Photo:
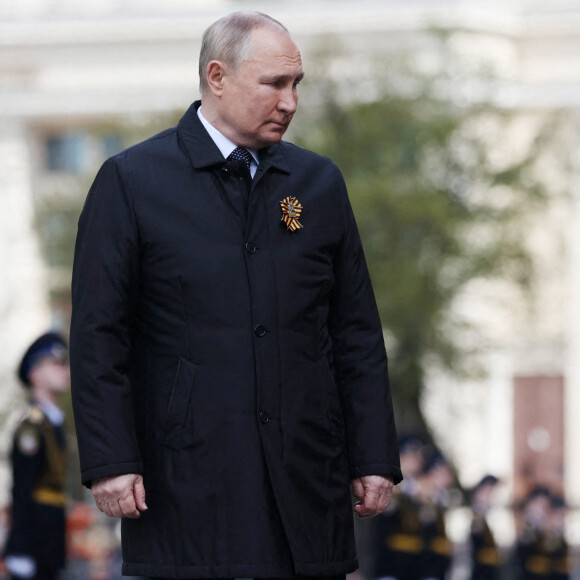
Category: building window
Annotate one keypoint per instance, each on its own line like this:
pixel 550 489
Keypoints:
pixel 80 152
pixel 111 144
pixel 66 153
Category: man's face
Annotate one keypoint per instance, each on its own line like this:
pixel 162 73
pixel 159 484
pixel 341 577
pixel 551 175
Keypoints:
pixel 51 375
pixel 258 100
pixel 411 462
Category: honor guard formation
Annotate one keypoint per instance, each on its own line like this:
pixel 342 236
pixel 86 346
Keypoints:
pixel 410 541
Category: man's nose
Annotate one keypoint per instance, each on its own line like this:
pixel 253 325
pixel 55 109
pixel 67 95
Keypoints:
pixel 288 100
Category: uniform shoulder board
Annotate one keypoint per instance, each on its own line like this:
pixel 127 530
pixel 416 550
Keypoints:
pixel 34 415
pixel 28 435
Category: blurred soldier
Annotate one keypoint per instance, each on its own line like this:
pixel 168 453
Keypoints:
pixel 397 543
pixel 36 544
pixel 485 556
pixel 531 556
pixel 412 461
pixel 555 542
pixel 433 484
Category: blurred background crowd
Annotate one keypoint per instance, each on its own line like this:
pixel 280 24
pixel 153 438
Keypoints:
pixel 455 123
pixel 435 530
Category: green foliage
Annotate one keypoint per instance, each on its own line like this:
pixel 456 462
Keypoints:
pixel 435 209
pixel 56 219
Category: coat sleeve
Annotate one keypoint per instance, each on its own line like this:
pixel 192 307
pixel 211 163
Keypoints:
pixel 104 286
pixel 360 359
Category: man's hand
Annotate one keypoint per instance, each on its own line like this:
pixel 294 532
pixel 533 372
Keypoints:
pixel 374 494
pixel 122 496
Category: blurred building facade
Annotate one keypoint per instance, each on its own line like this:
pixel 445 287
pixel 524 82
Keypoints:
pixel 67 66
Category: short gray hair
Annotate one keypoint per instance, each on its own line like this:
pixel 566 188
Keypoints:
pixel 227 40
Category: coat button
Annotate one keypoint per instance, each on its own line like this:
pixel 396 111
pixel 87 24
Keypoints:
pixel 264 417
pixel 260 330
pixel 250 247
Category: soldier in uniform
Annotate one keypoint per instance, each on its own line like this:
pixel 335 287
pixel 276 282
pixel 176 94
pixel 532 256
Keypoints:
pixel 531 555
pixel 36 544
pixel 434 483
pixel 556 544
pixel 485 555
pixel 397 542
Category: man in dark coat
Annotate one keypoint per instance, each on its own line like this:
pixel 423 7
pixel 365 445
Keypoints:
pixel 35 548
pixel 229 372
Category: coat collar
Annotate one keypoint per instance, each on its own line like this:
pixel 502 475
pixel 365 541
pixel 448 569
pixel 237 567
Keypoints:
pixel 203 152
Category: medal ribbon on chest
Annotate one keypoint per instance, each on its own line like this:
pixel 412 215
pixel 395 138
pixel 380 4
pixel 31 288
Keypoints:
pixel 291 210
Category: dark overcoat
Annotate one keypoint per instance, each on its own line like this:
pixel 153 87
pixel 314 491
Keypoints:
pixel 237 364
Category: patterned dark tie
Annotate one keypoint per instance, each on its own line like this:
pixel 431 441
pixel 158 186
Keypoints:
pixel 241 158
pixel 241 154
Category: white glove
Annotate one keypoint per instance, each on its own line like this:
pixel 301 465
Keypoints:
pixel 23 566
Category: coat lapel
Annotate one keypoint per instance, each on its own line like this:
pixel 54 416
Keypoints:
pixel 193 137
pixel 203 152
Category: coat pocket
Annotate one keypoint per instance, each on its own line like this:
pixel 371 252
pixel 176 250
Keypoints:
pixel 334 411
pixel 177 426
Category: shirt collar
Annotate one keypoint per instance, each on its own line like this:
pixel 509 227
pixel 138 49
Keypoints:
pixel 223 143
pixel 203 153
pixel 52 412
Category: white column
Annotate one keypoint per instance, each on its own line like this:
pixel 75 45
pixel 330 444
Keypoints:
pixel 24 312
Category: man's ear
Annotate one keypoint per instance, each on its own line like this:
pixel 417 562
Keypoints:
pixel 215 75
